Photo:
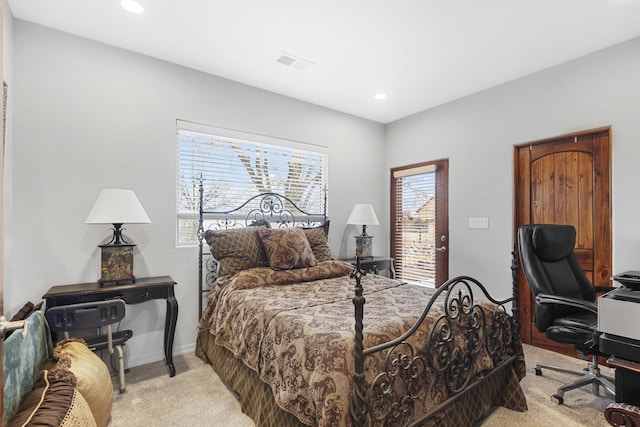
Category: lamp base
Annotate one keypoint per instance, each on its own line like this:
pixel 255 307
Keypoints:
pixel 117 264
pixel 363 246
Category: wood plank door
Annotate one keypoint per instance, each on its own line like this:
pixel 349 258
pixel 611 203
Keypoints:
pixel 565 180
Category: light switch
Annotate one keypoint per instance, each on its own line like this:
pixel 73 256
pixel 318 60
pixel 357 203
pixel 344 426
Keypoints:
pixel 481 222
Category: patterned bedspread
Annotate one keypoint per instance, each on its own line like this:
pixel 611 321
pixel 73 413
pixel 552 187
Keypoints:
pixel 295 329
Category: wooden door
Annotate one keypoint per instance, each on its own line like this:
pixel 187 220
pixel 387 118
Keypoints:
pixel 565 180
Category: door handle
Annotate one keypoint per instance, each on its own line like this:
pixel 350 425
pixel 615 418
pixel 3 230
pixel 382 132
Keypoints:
pixel 441 249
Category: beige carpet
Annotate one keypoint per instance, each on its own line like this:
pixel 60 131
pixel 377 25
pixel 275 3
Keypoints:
pixel 580 407
pixel 197 397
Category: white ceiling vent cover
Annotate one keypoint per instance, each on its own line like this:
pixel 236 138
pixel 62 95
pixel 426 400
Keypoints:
pixel 293 61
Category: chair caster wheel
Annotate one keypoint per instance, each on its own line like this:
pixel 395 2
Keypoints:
pixel 537 371
pixel 557 399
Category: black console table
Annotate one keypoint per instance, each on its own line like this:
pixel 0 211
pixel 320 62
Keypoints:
pixel 144 289
pixel 375 264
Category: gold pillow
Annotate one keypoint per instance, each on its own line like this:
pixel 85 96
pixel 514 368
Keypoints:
pixel 92 375
pixel 236 249
pixel 287 248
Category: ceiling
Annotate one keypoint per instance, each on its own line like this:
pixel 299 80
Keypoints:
pixel 421 53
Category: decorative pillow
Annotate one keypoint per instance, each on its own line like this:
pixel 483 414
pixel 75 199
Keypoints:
pixel 93 378
pixel 54 401
pixel 287 248
pixel 317 237
pixel 236 249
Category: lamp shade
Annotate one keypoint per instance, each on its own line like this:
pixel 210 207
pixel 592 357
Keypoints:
pixel 363 214
pixel 117 206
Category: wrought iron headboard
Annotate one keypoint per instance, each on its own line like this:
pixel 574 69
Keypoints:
pixel 277 209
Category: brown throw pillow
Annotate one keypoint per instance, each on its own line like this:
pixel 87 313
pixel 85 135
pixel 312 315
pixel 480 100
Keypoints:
pixel 287 248
pixel 317 237
pixel 236 249
pixel 54 402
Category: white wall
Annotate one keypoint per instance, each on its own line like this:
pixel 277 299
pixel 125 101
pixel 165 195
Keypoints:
pixel 478 134
pixel 89 116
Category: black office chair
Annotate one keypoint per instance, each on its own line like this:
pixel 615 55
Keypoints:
pixel 94 315
pixel 566 308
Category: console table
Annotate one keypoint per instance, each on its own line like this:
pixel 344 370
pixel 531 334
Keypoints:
pixel 143 289
pixel 375 264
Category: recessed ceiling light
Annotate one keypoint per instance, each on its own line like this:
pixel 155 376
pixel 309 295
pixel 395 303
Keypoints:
pixel 380 95
pixel 132 6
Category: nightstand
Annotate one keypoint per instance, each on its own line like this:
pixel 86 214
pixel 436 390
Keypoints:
pixel 375 264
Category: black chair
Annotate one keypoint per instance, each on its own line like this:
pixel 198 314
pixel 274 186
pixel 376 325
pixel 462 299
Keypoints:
pixel 566 308
pixel 94 315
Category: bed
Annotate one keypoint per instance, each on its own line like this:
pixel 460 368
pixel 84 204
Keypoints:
pixel 287 328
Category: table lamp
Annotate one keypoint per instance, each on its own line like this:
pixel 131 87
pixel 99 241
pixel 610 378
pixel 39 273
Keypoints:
pixel 363 214
pixel 117 206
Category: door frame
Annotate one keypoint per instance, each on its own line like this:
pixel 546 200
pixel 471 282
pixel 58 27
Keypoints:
pixel 442 213
pixel 2 220
pixel 603 228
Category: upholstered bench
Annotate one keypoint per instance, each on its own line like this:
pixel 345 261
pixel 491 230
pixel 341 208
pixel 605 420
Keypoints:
pixel 65 385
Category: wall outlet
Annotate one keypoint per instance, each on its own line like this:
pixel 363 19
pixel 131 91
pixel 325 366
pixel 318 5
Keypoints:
pixel 482 222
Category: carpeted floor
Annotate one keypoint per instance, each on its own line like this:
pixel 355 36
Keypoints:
pixel 197 397
pixel 580 407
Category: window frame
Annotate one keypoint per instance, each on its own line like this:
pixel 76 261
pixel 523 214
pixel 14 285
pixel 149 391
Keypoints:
pixel 269 145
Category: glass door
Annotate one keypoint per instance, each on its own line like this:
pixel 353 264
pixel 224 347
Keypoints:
pixel 420 222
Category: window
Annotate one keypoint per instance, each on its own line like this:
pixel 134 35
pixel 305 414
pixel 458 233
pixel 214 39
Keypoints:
pixel 420 231
pixel 235 166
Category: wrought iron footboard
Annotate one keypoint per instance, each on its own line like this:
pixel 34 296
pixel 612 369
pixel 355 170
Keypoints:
pixel 392 396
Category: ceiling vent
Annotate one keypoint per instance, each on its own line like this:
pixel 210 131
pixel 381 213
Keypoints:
pixel 293 61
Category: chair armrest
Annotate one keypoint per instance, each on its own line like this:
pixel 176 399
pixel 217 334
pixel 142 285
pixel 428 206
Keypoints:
pixel 571 302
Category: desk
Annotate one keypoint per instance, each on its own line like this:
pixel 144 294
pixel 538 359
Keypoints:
pixel 375 264
pixel 144 289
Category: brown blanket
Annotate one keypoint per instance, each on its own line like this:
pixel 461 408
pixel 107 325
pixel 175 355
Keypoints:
pixel 295 329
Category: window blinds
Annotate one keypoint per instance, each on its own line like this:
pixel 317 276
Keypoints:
pixel 235 169
pixel 414 214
